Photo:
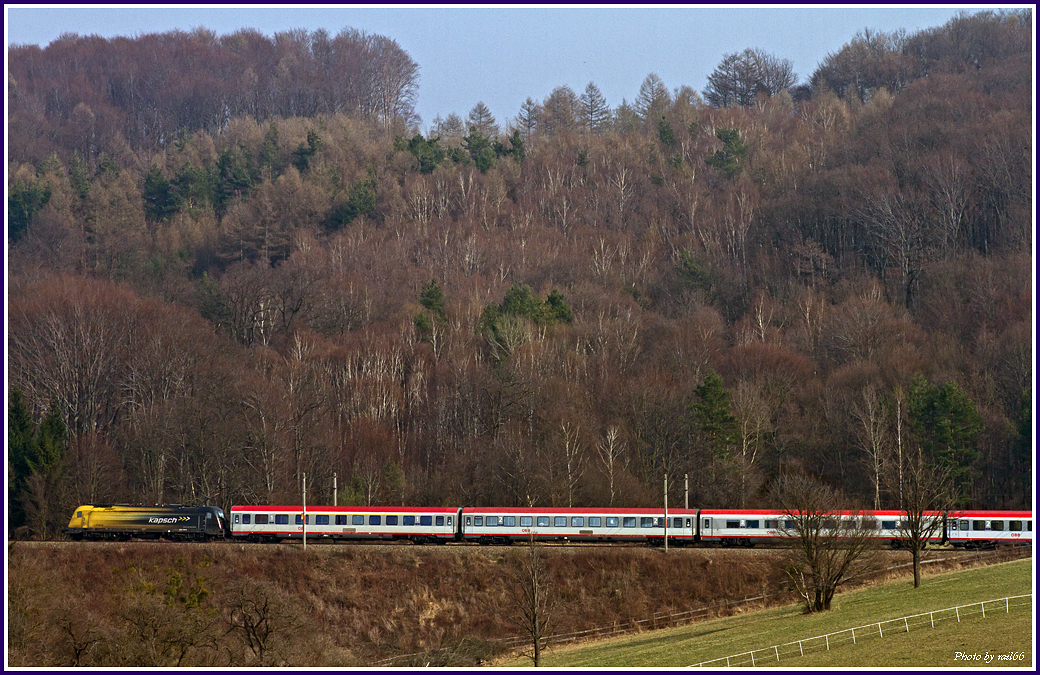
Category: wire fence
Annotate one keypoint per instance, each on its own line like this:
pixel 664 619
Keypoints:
pixel 667 620
pixel 798 648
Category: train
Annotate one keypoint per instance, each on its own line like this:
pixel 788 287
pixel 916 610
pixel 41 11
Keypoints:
pixel 508 525
pixel 121 522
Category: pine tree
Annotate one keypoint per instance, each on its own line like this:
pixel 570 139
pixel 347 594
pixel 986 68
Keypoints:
pixel 714 417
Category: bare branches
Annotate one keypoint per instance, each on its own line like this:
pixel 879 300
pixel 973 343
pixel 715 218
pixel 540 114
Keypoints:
pixel 533 598
pixel 830 545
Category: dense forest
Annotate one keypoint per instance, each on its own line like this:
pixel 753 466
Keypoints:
pixel 236 260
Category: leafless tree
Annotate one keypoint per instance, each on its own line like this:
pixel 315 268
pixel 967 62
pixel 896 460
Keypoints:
pixel 574 458
pixel 928 497
pixel 263 620
pixel 872 432
pixel 534 598
pixel 830 544
pixel 612 454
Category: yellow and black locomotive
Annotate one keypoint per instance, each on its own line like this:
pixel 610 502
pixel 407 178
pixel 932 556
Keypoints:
pixel 122 521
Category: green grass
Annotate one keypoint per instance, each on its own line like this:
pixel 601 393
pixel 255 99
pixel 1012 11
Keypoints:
pixel 998 633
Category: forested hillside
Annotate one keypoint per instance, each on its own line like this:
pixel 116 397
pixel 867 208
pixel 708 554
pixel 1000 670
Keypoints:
pixel 234 260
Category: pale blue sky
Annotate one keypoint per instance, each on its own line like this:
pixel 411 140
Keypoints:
pixel 503 54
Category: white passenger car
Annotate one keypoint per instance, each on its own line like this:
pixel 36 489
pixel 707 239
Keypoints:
pixel 498 525
pixel 420 524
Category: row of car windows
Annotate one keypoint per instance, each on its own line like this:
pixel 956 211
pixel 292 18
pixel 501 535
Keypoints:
pixel 593 521
pixel 976 525
pixel 574 521
pixel 994 525
pixel 348 519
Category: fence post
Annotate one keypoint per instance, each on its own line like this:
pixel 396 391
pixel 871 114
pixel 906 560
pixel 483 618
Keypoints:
pixel 1007 605
pixel 800 652
pixel 828 640
pixel 983 604
pixel 958 611
pixel 882 634
pixel 907 623
pixel 752 658
pixel 853 636
pixel 931 615
pixel 777 648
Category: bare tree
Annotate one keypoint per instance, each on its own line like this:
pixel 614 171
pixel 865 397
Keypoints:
pixel 755 424
pixel 574 459
pixel 263 620
pixel 653 99
pixel 742 76
pixel 481 119
pixel 533 597
pixel 872 432
pixel 928 497
pixel 830 544
pixel 612 455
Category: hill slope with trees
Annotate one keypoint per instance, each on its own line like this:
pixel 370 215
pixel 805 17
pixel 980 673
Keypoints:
pixel 220 283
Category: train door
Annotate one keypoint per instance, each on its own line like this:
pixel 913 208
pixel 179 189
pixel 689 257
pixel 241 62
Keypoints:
pixel 706 528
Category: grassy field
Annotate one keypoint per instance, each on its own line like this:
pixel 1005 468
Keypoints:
pixel 1000 633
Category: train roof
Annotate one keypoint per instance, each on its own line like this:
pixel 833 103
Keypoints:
pixel 148 507
pixel 298 508
pixel 576 510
